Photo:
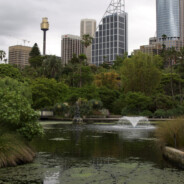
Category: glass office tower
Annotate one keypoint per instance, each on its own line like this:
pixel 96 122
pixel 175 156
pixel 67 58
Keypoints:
pixel 168 19
pixel 110 38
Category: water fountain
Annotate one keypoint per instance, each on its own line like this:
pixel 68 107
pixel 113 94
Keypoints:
pixel 134 121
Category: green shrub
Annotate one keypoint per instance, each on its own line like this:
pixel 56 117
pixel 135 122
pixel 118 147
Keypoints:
pixel 146 113
pixel 16 113
pixel 61 109
pixel 134 103
pixel 171 132
pixel 160 113
pixel 125 111
pixel 96 104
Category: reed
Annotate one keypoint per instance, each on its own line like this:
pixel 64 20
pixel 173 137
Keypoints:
pixel 171 133
pixel 14 151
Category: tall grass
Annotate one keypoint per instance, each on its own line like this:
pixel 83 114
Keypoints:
pixel 14 151
pixel 171 133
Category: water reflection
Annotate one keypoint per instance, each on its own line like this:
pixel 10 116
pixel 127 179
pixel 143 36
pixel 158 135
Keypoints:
pixel 95 154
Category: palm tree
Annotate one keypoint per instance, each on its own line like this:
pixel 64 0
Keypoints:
pixel 86 41
pixel 164 37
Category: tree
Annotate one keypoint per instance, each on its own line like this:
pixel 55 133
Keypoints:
pixel 76 68
pixel 86 40
pixel 108 79
pixel 35 51
pixel 16 113
pixel 171 55
pixel 36 61
pixel 7 70
pixel 52 67
pixel 48 92
pixel 86 92
pixel 140 74
pixel 136 102
pixel 108 96
pixel 119 61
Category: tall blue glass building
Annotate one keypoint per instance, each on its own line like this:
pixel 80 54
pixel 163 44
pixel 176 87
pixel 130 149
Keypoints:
pixel 111 37
pixel 168 19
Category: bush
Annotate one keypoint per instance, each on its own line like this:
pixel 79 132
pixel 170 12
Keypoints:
pixel 61 109
pixel 135 103
pixel 171 132
pixel 160 113
pixel 175 112
pixel 146 113
pixel 16 113
pixel 96 104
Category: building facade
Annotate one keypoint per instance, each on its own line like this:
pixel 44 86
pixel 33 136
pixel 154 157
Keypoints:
pixel 71 44
pixel 111 37
pixel 88 26
pixel 19 55
pixel 182 22
pixel 168 19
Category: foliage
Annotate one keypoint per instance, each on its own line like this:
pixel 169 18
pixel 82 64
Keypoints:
pixel 61 109
pixel 140 74
pixel 169 113
pixel 108 96
pixel 108 79
pixel 86 40
pixel 48 92
pixel 161 101
pixel 146 113
pixel 171 133
pixel 35 51
pixel 16 112
pixel 96 104
pixel 119 61
pixel 85 107
pixel 86 92
pixel 52 67
pixel 36 61
pixel 7 70
pixel 136 102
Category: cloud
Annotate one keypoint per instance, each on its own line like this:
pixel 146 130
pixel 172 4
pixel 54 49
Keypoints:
pixel 21 19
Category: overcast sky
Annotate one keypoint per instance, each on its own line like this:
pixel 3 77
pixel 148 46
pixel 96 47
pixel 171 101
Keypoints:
pixel 20 20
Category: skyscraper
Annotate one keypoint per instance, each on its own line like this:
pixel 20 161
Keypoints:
pixel 170 20
pixel 19 55
pixel 88 26
pixel 71 45
pixel 111 37
pixel 182 21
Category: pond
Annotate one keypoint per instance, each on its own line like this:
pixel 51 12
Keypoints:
pixel 95 154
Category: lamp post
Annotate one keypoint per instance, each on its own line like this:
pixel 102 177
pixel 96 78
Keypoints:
pixel 44 28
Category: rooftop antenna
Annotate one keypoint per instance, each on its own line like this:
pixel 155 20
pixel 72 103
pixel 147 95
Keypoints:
pixel 115 7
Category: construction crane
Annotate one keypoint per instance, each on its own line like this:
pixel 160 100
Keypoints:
pixel 24 41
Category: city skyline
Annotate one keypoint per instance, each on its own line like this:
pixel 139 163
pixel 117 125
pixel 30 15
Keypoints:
pixel 19 21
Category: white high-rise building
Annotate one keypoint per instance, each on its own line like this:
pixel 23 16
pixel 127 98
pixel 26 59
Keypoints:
pixel 71 44
pixel 88 26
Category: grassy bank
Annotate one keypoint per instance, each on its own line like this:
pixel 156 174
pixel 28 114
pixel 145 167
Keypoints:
pixel 14 151
pixel 171 133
